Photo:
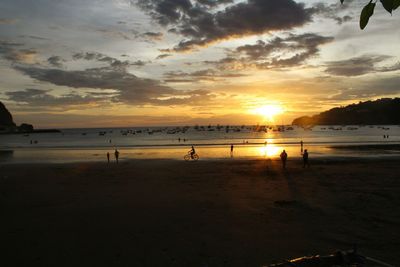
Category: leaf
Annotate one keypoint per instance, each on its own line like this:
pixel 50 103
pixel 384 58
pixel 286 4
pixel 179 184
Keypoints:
pixel 396 4
pixel 366 13
pixel 388 5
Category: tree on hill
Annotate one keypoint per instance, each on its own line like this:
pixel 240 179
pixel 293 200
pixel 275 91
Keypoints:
pixel 382 111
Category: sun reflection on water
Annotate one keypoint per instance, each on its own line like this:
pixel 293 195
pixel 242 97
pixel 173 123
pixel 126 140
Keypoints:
pixel 269 150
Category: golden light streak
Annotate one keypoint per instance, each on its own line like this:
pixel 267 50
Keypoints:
pixel 268 112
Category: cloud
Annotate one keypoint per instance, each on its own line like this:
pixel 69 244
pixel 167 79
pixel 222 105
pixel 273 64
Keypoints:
pixel 129 89
pixel 110 33
pixel 161 56
pixel 113 62
pixel 27 56
pixel 361 65
pixel 333 11
pixel 214 3
pixel 200 75
pixel 12 51
pixel 155 36
pixel 201 25
pixel 55 61
pixel 15 53
pixel 279 52
pixel 6 21
pixel 34 37
pixel 368 89
pixel 42 98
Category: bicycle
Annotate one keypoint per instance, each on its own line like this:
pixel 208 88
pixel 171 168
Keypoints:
pixel 189 157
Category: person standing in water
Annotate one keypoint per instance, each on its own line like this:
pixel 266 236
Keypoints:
pixel 283 159
pixel 301 146
pixel 231 150
pixel 305 159
pixel 116 153
pixel 108 157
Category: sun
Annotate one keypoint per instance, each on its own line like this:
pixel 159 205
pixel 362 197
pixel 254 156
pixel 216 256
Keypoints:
pixel 269 111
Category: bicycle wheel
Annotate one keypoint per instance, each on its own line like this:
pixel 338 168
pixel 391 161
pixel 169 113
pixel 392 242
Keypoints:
pixel 195 157
pixel 186 157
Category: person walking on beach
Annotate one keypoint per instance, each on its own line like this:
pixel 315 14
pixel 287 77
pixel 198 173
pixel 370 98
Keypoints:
pixel 231 150
pixel 108 157
pixel 305 159
pixel 301 146
pixel 283 159
pixel 116 153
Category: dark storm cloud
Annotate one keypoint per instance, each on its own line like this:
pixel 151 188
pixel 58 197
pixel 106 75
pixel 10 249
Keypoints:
pixel 42 98
pixel 280 52
pixel 157 36
pixel 55 61
pixel 129 89
pixel 214 3
pixel 308 42
pixel 113 62
pixel 201 25
pixel 341 20
pixel 201 75
pixel 34 37
pixel 359 66
pixel 161 56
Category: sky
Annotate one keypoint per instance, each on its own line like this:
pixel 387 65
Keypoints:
pixel 107 63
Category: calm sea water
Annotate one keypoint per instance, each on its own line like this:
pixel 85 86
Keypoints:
pixel 210 142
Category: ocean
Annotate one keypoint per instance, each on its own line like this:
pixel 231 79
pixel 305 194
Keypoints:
pixel 211 142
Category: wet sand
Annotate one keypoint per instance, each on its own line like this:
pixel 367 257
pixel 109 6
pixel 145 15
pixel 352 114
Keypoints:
pixel 205 213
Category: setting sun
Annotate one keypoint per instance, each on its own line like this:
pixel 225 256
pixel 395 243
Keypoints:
pixel 269 111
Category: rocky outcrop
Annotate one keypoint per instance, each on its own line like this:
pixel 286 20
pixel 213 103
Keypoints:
pixel 6 120
pixel 7 125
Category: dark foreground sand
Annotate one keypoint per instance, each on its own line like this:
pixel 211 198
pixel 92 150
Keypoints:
pixel 206 213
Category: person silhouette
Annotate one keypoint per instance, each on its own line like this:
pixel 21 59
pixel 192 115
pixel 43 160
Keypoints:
pixel 116 153
pixel 192 152
pixel 284 158
pixel 108 157
pixel 301 145
pixel 305 159
pixel 231 150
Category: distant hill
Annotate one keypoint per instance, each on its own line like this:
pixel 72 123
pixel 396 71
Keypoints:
pixel 378 112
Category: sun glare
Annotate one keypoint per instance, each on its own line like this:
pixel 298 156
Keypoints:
pixel 269 111
pixel 270 150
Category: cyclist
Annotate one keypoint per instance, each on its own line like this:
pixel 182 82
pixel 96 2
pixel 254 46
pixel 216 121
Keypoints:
pixel 192 152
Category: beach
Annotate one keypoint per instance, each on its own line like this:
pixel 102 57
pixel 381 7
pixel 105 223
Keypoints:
pixel 206 213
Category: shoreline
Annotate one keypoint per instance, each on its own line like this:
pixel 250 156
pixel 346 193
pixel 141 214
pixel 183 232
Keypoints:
pixel 292 159
pixel 206 153
pixel 335 144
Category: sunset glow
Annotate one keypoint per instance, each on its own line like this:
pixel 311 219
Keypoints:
pixel 148 63
pixel 269 112
pixel 270 150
